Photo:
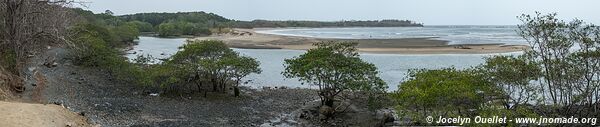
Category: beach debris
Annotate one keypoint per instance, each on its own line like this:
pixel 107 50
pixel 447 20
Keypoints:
pixel 154 94
pixel 57 103
pixel 81 113
pixel 31 69
pixel 461 47
pixel 266 88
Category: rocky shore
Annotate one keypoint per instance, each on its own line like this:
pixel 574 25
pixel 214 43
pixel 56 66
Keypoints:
pixel 94 94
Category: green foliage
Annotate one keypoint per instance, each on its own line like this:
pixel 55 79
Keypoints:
pixel 8 59
pixel 182 28
pixel 94 46
pixel 512 75
pixel 334 67
pixel 112 30
pixel 447 92
pixel 168 29
pixel 142 26
pixel 126 32
pixel 90 49
pixel 193 17
pixel 568 57
pixel 209 61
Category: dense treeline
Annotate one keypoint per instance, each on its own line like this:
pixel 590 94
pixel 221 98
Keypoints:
pixel 182 23
pixel 374 23
pixel 113 30
pixel 201 23
pixel 194 17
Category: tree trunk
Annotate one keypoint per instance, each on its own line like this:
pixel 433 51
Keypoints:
pixel 328 101
pixel 214 83
pixel 199 85
pixel 236 91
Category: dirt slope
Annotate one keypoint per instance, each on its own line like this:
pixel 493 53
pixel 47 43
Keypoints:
pixel 15 114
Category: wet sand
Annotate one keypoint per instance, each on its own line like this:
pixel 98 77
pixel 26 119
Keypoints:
pixel 249 39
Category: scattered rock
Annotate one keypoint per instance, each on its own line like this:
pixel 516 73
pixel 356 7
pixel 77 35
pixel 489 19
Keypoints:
pixel 154 94
pixel 33 84
pixel 57 103
pixel 385 115
pixel 266 88
pixel 31 69
pixel 51 64
pixel 325 112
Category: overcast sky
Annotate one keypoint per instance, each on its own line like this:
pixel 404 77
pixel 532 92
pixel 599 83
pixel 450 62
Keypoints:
pixel 429 12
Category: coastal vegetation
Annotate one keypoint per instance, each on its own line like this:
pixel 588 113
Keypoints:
pixel 557 77
pixel 335 68
pixel 207 62
pixel 202 23
pixel 97 40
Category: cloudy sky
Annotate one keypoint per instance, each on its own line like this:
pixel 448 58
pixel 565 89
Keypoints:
pixel 429 12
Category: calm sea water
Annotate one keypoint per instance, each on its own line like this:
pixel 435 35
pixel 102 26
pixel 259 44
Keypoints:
pixel 392 67
pixel 454 34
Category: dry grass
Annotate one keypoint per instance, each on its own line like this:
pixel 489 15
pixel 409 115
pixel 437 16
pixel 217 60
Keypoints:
pixel 4 86
pixel 9 83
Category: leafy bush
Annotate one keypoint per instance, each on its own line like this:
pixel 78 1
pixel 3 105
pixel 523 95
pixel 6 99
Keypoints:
pixel 142 26
pixel 91 50
pixel 447 92
pixel 568 57
pixel 512 75
pixel 208 61
pixel 335 67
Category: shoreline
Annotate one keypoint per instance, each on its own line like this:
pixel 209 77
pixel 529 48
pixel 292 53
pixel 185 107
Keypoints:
pixel 250 39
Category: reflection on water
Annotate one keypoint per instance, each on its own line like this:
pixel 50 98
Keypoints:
pixel 392 67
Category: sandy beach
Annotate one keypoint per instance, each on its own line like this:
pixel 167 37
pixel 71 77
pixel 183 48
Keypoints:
pixel 250 39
